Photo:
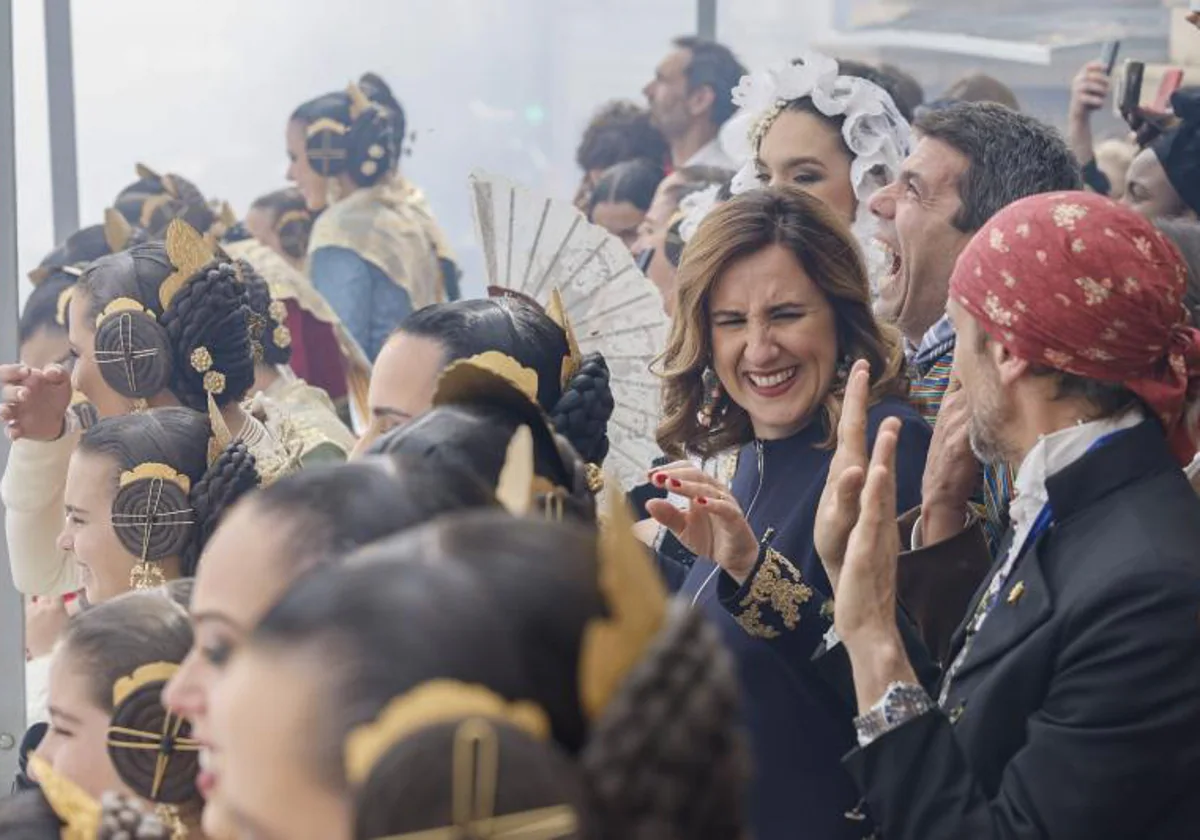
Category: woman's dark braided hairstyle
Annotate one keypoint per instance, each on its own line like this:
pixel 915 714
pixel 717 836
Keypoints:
pixel 667 760
pixel 157 519
pixel 582 413
pixel 270 339
pixel 126 649
pixel 379 92
pixel 144 350
pixel 348 134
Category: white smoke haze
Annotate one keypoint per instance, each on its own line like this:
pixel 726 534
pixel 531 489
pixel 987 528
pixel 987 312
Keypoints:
pixel 204 87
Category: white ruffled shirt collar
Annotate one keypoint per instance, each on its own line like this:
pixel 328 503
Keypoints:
pixel 1052 454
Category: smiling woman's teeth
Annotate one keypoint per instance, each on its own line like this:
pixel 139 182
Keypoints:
pixel 771 380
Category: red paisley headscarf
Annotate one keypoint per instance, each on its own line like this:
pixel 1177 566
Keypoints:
pixel 1081 284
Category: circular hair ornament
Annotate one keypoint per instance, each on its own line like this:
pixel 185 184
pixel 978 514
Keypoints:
pixel 153 518
pixel 325 146
pixel 369 168
pixel 151 748
pixel 429 704
pixel 132 349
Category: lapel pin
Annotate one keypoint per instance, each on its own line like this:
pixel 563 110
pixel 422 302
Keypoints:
pixel 1017 591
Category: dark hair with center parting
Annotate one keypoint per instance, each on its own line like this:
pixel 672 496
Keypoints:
pixel 1010 156
pixel 633 181
pixel 524 332
pixel 715 66
pixel 179 439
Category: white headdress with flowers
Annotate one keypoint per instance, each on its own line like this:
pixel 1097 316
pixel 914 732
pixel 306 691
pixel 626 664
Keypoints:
pixel 872 128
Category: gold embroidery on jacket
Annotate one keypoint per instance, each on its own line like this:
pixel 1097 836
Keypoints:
pixel 777 588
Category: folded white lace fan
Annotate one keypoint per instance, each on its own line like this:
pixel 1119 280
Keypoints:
pixel 533 245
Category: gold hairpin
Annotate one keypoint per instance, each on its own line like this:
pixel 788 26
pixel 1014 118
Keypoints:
pixel 79 813
pixel 359 103
pixel 326 124
pixel 152 470
pixel 557 312
pixel 122 304
pixel 188 252
pixel 221 436
pixel 474 788
pixel 636 602
pixel 429 704
pixel 290 216
pixel 60 307
pixel 150 206
pixel 514 488
pixel 143 676
pixel 117 230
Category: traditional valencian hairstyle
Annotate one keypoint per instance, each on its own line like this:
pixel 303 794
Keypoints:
pixel 579 407
pixel 153 201
pixel 171 317
pixel 291 219
pixel 175 479
pixel 346 133
pixel 824 246
pixel 586 672
pixel 127 649
pixel 270 338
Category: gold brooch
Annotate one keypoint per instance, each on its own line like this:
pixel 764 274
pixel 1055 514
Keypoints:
pixel 282 336
pixel 369 168
pixel 1017 591
pixel 376 151
pixel 202 360
pixel 278 311
pixel 214 382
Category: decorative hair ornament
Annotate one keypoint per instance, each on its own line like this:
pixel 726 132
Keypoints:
pixel 514 489
pixel 189 252
pixel 117 230
pixel 429 704
pixel 221 436
pixel 359 102
pixel 637 604
pixel 79 813
pixel 557 312
pixel 154 471
pixel 290 217
pixel 122 304
pixel 476 777
pixel 506 367
pixel 873 129
pixel 60 307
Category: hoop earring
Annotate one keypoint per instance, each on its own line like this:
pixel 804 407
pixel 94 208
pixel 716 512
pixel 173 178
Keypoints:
pixel 711 402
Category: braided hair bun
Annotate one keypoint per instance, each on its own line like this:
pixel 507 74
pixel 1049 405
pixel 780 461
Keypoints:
pixel 151 748
pixel 232 475
pixel 271 340
pixel 210 312
pixel 667 760
pixel 582 413
pixel 371 146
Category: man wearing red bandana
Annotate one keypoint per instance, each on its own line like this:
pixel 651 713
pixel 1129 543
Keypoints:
pixel 1070 705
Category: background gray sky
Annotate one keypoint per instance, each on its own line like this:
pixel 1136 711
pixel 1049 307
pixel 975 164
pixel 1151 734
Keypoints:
pixel 204 87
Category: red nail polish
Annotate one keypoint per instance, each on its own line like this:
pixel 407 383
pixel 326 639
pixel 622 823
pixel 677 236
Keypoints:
pixel 659 478
pixel 676 483
pixel 702 500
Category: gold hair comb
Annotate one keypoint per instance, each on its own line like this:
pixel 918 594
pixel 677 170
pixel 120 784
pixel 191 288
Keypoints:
pixel 188 252
pixel 152 470
pixel 359 103
pixel 637 604
pixel 557 312
pixel 429 704
pixel 117 230
pixel 122 304
pixel 60 307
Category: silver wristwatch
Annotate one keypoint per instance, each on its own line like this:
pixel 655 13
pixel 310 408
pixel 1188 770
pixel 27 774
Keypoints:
pixel 900 703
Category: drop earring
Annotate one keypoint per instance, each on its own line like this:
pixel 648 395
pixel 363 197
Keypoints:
pixel 710 401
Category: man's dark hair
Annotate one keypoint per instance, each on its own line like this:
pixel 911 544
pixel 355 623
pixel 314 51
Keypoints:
pixel 1011 156
pixel 619 131
pixel 716 66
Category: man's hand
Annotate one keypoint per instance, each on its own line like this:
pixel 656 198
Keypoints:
pixel 837 510
pixel 952 472
pixel 713 524
pixel 34 403
pixel 864 614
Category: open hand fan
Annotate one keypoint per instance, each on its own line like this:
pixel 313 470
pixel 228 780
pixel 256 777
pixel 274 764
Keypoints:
pixel 533 245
